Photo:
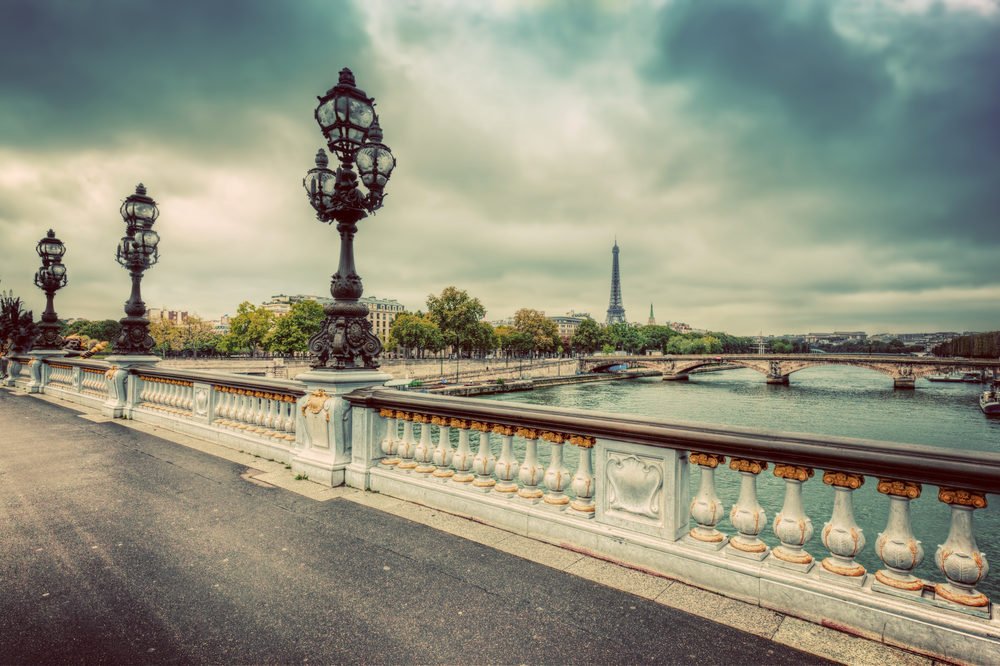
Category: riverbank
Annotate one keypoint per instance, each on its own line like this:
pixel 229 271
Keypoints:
pixel 489 388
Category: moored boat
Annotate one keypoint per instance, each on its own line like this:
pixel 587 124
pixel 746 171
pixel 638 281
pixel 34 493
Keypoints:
pixel 950 377
pixel 989 401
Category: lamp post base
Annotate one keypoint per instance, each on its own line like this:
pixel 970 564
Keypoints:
pixel 326 449
pixel 118 403
pixel 38 379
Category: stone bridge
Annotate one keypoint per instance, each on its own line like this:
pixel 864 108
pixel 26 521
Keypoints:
pixel 904 370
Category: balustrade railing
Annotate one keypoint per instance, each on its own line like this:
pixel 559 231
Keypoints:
pixel 638 490
pixel 626 478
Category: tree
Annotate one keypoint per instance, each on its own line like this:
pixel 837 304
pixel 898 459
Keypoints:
pixel 166 335
pixel 195 334
pixel 105 329
pixel 17 325
pixel 587 337
pixel 483 341
pixel 249 328
pixel 456 315
pixel 657 337
pixel 541 332
pixel 293 329
pixel 415 331
pixel 624 337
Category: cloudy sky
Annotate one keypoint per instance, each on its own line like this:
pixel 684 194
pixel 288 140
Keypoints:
pixel 765 165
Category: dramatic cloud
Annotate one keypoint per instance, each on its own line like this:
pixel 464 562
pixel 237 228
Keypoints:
pixel 764 165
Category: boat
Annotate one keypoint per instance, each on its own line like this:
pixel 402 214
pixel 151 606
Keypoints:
pixel 971 378
pixel 989 401
pixel 954 377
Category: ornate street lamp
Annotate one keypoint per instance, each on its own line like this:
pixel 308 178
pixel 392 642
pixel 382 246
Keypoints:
pixel 137 251
pixel 50 278
pixel 348 121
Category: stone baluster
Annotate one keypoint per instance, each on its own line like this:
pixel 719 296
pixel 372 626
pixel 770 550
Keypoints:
pixel 792 526
pixel 506 467
pixel 443 453
pixel 241 410
pixel 188 396
pixel 747 516
pixel 291 401
pixel 390 443
pixel 406 445
pixel 462 460
pixel 485 462
pixel 959 557
pixel 424 451
pixel 557 477
pixel 841 535
pixel 271 417
pixel 259 412
pixel 706 508
pixel 531 471
pixel 896 546
pixel 583 480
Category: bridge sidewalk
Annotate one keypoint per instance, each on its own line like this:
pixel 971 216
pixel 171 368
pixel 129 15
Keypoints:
pixel 124 542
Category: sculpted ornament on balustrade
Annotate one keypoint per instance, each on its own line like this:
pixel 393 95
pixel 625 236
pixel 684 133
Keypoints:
pixel 634 485
pixel 959 557
pixel 896 546
pixel 841 534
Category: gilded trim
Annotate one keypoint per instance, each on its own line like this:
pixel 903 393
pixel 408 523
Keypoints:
pixel 747 465
pixel 962 497
pixel 315 401
pixel 706 460
pixel 899 488
pixel 795 473
pixel 583 441
pixel 843 480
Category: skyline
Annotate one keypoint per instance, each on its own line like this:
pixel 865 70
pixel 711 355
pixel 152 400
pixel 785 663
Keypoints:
pixel 764 166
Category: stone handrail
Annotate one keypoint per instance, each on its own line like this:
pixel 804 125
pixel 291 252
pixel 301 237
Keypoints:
pixel 973 470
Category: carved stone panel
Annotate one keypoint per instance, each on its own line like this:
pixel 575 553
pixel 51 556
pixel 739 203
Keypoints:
pixel 634 485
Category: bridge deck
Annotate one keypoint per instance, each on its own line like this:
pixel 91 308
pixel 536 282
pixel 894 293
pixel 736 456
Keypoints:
pixel 121 545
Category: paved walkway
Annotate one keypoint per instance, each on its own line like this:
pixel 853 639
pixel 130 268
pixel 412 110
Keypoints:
pixel 120 546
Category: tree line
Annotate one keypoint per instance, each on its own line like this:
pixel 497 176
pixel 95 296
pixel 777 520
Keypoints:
pixel 977 345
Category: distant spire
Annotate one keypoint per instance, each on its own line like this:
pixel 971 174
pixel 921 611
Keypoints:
pixel 652 320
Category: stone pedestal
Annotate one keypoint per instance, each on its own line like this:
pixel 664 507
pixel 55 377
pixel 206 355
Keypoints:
pixel 325 428
pixel 903 383
pixel 37 382
pixel 118 401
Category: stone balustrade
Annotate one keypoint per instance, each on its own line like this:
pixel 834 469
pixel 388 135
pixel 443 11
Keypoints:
pixel 640 491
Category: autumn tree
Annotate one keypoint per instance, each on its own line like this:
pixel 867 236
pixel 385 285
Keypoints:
pixel 248 329
pixel 541 331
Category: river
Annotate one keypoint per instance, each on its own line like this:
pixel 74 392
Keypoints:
pixel 832 400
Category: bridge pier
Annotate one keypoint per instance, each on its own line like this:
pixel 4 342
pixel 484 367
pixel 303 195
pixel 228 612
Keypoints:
pixel 778 379
pixel 678 377
pixel 903 383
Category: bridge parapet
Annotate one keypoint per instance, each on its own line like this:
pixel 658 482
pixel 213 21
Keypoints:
pixel 619 487
pixel 904 370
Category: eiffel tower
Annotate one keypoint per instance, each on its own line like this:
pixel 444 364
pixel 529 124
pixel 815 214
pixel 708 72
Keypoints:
pixel 616 311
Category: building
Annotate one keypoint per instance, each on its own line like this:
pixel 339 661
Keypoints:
pixel 566 324
pixel 616 311
pixel 281 304
pixel 652 319
pixel 176 317
pixel 381 313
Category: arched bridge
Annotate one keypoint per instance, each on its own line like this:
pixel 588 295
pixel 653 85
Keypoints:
pixel 904 370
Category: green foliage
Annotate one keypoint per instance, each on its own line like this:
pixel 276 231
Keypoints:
pixel 539 332
pixel 292 330
pixel 588 337
pixel 624 337
pixel 607 349
pixel 17 325
pixel 484 339
pixel 415 383
pixel 105 330
pixel 248 329
pixel 415 331
pixel 500 382
pixel 167 336
pixel 512 342
pixel 656 338
pixel 456 314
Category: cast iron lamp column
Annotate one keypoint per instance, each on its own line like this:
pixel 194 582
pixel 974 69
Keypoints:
pixel 345 350
pixel 137 251
pixel 348 121
pixel 50 278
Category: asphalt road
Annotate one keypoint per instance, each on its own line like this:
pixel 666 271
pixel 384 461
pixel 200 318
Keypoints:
pixel 121 547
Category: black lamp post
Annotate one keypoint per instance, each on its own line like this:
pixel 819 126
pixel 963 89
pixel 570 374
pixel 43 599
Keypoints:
pixel 348 121
pixel 137 251
pixel 50 278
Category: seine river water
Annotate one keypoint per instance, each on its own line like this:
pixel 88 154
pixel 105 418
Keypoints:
pixel 832 400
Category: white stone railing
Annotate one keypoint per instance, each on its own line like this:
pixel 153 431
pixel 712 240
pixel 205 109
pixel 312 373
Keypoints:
pixel 619 487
